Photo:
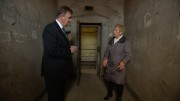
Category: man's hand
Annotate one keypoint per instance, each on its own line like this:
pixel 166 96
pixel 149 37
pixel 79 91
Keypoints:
pixel 74 49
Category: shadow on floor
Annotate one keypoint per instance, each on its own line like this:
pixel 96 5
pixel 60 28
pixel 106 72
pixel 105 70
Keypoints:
pixel 91 88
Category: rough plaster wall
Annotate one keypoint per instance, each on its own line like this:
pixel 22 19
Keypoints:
pixel 153 26
pixel 21 25
pixel 108 13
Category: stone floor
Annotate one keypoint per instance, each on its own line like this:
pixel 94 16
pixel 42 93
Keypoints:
pixel 91 88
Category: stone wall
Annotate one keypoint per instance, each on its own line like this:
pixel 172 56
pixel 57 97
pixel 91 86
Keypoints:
pixel 153 26
pixel 21 26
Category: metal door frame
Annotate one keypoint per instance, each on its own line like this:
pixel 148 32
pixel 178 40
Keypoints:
pixel 79 24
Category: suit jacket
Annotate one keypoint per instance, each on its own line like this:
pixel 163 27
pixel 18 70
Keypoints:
pixel 56 60
pixel 115 53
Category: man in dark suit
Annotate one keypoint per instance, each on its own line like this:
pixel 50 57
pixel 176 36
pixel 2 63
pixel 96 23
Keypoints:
pixel 57 59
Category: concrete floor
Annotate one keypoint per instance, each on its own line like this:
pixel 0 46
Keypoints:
pixel 91 88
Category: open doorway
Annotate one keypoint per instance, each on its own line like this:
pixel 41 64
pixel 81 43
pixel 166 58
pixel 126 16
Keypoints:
pixel 89 47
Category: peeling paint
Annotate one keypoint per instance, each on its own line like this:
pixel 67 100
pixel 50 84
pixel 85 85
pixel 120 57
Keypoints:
pixel 5 37
pixel 11 15
pixel 34 34
pixel 148 20
pixel 20 38
pixel 178 36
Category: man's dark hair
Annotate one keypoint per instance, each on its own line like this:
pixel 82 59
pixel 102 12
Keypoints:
pixel 62 10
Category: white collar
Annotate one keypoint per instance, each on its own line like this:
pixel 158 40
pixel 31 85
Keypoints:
pixel 117 39
pixel 60 25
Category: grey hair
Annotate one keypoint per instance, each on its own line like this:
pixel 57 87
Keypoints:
pixel 62 10
pixel 121 27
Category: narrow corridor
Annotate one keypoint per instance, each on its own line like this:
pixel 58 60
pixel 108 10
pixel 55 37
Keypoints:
pixel 91 88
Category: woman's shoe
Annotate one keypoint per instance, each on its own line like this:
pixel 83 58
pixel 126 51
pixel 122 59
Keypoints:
pixel 107 97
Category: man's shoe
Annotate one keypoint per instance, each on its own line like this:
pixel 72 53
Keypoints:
pixel 118 99
pixel 107 97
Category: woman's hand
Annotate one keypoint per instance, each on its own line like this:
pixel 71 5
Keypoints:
pixel 105 62
pixel 121 65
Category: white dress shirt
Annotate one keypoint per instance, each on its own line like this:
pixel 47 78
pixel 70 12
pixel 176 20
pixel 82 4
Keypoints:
pixel 59 24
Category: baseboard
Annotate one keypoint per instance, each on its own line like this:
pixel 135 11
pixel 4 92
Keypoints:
pixel 132 92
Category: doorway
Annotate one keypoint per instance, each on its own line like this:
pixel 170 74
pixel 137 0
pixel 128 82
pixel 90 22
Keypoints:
pixel 89 47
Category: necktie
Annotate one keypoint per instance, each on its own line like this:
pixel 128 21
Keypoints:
pixel 64 31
